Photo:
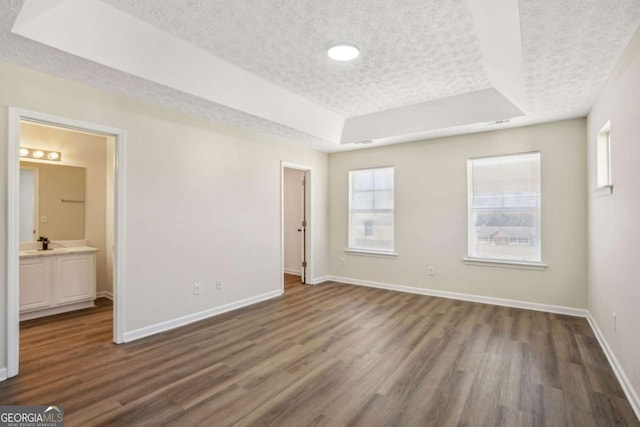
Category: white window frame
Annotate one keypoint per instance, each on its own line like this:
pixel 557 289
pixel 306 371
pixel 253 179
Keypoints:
pixel 604 186
pixel 353 250
pixel 502 262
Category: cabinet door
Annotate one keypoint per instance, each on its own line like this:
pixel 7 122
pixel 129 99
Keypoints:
pixel 76 278
pixel 35 283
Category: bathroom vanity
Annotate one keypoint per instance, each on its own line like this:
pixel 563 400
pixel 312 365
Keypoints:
pixel 56 281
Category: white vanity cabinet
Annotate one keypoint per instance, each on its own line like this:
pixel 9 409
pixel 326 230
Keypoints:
pixel 53 283
pixel 35 283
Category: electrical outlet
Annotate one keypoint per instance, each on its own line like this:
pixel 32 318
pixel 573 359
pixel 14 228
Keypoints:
pixel 432 271
pixel 615 321
pixel 341 262
pixel 197 288
pixel 218 284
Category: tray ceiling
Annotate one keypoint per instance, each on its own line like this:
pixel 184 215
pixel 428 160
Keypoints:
pixel 452 66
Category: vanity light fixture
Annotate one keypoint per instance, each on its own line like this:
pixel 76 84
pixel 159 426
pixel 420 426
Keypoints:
pixel 343 52
pixel 35 153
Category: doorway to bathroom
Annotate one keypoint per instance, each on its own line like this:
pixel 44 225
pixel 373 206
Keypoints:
pixel 295 225
pixel 66 194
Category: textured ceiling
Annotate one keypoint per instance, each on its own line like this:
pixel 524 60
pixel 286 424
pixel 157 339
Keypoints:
pixel 412 51
pixel 18 50
pixel 569 49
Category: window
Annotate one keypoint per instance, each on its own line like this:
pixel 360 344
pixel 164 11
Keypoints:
pixel 371 210
pixel 603 157
pixel 504 208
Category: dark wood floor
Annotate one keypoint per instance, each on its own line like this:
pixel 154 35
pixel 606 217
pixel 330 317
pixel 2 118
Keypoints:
pixel 326 355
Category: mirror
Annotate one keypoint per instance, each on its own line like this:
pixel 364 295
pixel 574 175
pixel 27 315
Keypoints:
pixel 52 199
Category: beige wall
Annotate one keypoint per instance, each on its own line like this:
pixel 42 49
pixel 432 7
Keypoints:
pixel 293 215
pixel 90 152
pixel 202 200
pixel 614 220
pixel 431 215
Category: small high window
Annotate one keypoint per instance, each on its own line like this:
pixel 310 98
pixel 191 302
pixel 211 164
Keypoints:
pixel 603 157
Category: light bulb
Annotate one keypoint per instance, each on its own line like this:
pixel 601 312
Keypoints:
pixel 38 154
pixel 24 152
pixel 53 156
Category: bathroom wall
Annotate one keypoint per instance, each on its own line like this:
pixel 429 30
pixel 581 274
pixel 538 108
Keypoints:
pixel 90 152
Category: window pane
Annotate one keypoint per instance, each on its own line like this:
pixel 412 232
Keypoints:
pixel 384 179
pixel 371 209
pixel 504 207
pixel 362 200
pixel 383 199
pixel 603 162
pixel 371 231
pixel 362 180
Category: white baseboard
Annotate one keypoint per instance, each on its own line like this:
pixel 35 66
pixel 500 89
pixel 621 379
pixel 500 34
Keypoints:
pixel 319 280
pixel 104 294
pixel 190 318
pixel 629 391
pixel 466 297
pixel 292 271
pixel 3 374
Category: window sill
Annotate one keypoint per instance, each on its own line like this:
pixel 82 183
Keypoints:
pixel 603 191
pixel 365 252
pixel 523 265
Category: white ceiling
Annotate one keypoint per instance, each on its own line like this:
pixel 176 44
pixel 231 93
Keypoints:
pixel 427 68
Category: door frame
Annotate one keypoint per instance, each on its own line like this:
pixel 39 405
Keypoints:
pixel 13 239
pixel 308 246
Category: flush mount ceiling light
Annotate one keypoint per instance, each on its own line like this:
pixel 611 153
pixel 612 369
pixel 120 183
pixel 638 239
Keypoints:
pixel 34 153
pixel 343 52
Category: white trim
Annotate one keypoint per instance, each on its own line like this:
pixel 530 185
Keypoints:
pixel 12 260
pixel 309 210
pixel 3 374
pixel 488 262
pixel 632 395
pixel 191 318
pixel 292 271
pixel 104 294
pixel 13 244
pixel 605 190
pixel 570 311
pixel 372 253
pixel 319 280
